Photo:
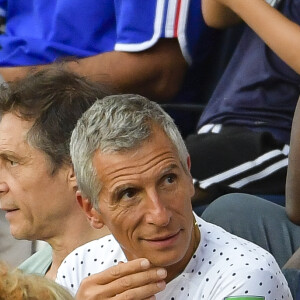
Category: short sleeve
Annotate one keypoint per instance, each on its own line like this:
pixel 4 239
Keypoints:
pixel 140 24
pixel 3 8
pixel 258 284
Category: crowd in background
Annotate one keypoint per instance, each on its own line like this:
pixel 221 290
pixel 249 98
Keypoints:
pixel 232 93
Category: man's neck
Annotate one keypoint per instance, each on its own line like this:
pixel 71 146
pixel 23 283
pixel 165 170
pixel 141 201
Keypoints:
pixel 65 243
pixel 177 269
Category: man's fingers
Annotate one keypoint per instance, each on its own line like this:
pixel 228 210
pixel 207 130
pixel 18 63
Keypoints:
pixel 146 292
pixel 143 292
pixel 149 280
pixel 137 279
pixel 100 280
pixel 120 270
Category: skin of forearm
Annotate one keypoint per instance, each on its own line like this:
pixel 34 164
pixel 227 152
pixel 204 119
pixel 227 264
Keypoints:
pixel 293 190
pixel 278 32
pixel 156 73
pixel 217 15
pixel 292 201
pixel 294 261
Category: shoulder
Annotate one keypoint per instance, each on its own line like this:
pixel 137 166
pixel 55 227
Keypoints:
pixel 216 240
pixel 94 251
pixel 261 281
pixel 89 259
pixel 236 266
pixel 39 262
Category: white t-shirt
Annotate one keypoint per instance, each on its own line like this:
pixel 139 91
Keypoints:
pixel 223 266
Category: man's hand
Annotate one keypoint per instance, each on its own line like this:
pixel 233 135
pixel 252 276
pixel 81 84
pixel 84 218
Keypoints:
pixel 136 280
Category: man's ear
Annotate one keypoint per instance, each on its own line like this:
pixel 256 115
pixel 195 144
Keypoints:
pixel 191 179
pixel 189 162
pixel 93 215
pixel 72 179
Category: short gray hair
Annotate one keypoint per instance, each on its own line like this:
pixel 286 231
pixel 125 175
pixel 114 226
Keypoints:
pixel 114 124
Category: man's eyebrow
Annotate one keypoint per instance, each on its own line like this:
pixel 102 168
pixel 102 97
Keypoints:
pixel 123 187
pixel 7 154
pixel 169 168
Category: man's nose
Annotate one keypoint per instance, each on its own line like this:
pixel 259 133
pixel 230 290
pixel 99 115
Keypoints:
pixel 3 188
pixel 157 210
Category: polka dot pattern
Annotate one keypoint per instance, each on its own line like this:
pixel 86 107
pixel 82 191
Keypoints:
pixel 91 258
pixel 223 265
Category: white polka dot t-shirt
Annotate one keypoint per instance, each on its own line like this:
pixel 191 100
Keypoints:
pixel 223 266
pixel 88 259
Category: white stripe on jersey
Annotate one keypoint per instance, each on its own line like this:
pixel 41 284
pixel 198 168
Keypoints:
pixel 169 30
pixel 243 167
pixel 264 173
pixel 159 16
pixel 181 33
pixel 171 18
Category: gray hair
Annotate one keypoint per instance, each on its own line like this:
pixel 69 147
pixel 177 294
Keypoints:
pixel 114 124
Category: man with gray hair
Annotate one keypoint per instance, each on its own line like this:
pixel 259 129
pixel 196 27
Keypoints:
pixel 132 168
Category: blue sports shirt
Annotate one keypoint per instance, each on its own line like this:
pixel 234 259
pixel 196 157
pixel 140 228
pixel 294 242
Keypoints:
pixel 39 31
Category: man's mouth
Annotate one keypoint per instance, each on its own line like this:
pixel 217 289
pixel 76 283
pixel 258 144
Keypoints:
pixel 163 241
pixel 9 211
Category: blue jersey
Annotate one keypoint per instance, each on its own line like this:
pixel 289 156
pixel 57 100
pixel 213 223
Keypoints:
pixel 39 31
pixel 257 90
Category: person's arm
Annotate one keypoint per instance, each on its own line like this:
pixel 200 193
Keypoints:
pixel 292 202
pixel 156 73
pixel 294 261
pixel 277 31
pixel 218 15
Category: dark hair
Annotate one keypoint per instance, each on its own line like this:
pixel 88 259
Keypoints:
pixel 54 99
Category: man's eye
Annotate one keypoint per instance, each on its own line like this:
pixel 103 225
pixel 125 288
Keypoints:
pixel 128 193
pixel 12 163
pixel 170 178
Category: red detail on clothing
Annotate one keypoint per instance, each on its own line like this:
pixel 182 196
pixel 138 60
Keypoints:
pixel 177 18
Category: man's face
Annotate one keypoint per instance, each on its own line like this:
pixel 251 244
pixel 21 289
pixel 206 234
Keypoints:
pixel 146 201
pixel 36 203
